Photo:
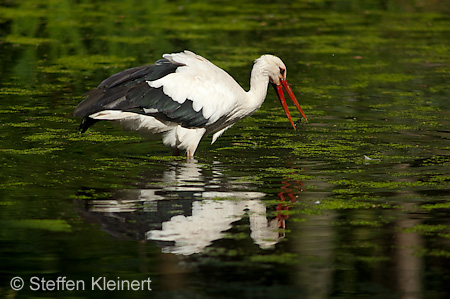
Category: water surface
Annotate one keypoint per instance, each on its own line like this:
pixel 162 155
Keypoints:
pixel 354 203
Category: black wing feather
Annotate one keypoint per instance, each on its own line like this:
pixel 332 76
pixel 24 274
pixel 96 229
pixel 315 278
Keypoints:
pixel 129 91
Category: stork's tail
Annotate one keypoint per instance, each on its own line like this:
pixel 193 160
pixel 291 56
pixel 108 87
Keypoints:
pixel 86 122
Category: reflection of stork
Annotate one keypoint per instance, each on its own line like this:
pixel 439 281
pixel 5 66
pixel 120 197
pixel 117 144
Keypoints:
pixel 183 96
pixel 186 209
pixel 284 205
pixel 210 219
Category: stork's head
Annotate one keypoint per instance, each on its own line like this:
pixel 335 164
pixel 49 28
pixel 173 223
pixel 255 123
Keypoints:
pixel 275 69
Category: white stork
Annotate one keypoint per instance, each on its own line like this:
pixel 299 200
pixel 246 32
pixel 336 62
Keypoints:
pixel 184 96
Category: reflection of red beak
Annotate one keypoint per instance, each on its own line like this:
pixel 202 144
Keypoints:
pixel 279 90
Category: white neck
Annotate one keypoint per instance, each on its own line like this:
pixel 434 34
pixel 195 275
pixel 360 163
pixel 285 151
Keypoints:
pixel 258 86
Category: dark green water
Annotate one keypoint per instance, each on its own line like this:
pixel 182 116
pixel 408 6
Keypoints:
pixel 354 203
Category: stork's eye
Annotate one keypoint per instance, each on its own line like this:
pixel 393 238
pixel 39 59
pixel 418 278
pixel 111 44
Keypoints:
pixel 282 70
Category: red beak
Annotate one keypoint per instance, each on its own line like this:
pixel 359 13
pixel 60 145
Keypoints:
pixel 280 93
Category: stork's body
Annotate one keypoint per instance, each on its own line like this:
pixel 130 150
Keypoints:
pixel 183 96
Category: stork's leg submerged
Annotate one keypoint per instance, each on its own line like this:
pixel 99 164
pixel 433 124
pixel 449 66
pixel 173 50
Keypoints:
pixel 189 155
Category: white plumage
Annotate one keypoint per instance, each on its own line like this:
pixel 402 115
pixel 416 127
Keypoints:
pixel 184 96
